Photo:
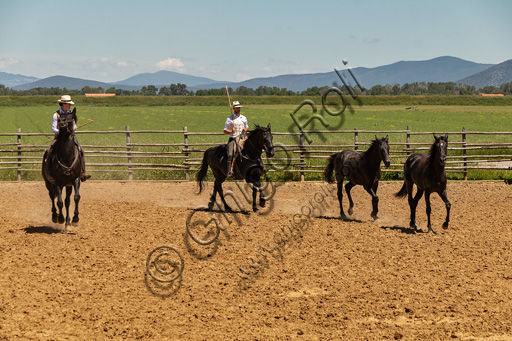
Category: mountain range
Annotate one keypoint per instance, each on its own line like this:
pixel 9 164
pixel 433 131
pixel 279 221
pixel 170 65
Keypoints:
pixel 440 69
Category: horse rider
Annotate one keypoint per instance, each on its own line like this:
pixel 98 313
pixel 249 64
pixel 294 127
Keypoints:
pixel 65 103
pixel 236 125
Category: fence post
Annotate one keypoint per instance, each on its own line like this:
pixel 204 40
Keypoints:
pixel 128 152
pixel 464 152
pixel 185 134
pixel 408 140
pixel 19 155
pixel 356 139
pixel 301 139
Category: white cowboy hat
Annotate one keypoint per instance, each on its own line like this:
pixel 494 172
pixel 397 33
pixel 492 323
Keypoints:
pixel 236 104
pixel 66 99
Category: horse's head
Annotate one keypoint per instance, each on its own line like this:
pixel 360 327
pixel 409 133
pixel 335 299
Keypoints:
pixel 383 149
pixel 261 138
pixel 441 148
pixel 66 122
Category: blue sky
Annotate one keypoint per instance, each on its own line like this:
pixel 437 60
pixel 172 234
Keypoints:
pixel 111 40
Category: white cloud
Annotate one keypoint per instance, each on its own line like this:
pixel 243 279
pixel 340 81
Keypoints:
pixel 124 64
pixel 171 64
pixel 8 61
pixel 240 77
pixel 371 40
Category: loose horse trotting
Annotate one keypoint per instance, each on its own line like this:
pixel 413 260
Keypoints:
pixel 248 166
pixel 66 170
pixel 360 169
pixel 429 175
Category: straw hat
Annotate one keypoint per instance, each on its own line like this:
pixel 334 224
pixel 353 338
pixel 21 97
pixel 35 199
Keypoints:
pixel 236 104
pixel 66 99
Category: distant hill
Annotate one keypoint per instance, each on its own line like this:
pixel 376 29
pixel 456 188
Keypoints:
pixel 166 78
pixel 493 76
pixel 441 69
pixel 68 83
pixel 10 80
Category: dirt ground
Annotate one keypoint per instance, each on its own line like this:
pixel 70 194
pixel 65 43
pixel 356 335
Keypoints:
pixel 326 279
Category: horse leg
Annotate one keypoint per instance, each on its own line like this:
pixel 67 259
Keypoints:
pixel 375 202
pixel 263 200
pixel 77 200
pixel 340 199
pixel 348 187
pixel 54 209
pixel 429 210
pixel 413 202
pixel 218 184
pixel 67 201
pixel 444 196
pixel 60 204
pixel 213 197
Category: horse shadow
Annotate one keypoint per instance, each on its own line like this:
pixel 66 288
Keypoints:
pixel 338 218
pixel 406 230
pixel 44 229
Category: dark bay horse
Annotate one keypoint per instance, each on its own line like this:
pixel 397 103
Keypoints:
pixel 248 166
pixel 360 169
pixel 429 175
pixel 66 170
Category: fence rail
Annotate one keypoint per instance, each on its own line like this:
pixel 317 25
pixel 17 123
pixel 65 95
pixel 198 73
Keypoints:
pixel 19 152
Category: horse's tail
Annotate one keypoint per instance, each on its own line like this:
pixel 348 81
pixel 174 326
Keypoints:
pixel 402 193
pixel 201 175
pixel 329 169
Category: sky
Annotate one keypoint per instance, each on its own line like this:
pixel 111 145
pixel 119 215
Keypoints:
pixel 112 40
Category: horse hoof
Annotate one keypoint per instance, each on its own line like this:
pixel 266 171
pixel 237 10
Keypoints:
pixel 255 209
pixel 228 209
pixel 210 206
pixel 445 225
pixel 375 218
pixel 344 218
pixel 61 220
pixel 350 211
pixel 75 220
pixel 262 203
pixel 68 228
pixel 54 219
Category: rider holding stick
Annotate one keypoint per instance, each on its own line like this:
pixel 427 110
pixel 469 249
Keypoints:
pixel 235 125
pixel 65 103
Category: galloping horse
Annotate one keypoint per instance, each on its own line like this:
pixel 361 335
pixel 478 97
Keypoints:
pixel 360 169
pixel 429 175
pixel 66 169
pixel 248 166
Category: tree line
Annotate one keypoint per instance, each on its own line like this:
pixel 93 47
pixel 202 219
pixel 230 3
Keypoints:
pixel 413 89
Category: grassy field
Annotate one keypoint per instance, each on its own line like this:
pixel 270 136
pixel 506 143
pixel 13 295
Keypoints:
pixel 204 118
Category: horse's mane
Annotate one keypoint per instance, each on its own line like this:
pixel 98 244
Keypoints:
pixel 257 129
pixel 375 144
pixel 433 150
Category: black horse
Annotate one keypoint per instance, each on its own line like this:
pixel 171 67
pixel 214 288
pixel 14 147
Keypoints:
pixel 429 175
pixel 360 169
pixel 66 169
pixel 248 166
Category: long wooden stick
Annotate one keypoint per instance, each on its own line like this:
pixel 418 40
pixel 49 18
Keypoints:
pixel 229 100
pixel 90 121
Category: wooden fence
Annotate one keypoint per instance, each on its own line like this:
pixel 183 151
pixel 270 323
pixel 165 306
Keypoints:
pixel 131 158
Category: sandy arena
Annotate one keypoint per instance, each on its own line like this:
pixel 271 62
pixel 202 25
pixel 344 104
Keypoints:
pixel 341 280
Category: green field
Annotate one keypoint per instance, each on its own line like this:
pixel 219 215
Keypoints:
pixel 210 118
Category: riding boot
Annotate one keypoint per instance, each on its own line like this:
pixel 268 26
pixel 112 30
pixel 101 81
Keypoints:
pixel 229 170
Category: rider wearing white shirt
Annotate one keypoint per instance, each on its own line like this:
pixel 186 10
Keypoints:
pixel 234 126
